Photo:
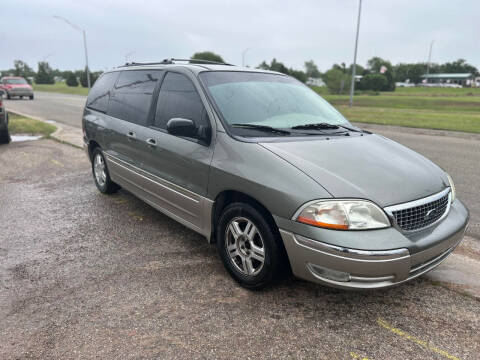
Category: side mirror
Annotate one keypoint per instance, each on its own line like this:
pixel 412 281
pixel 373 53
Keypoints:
pixel 182 127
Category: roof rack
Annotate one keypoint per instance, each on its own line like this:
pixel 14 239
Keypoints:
pixel 173 61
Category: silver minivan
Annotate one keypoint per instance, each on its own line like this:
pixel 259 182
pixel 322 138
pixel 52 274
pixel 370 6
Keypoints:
pixel 265 168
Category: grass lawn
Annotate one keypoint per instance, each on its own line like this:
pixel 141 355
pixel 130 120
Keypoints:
pixel 61 88
pixel 422 107
pixel 26 126
pixel 419 107
pixel 456 121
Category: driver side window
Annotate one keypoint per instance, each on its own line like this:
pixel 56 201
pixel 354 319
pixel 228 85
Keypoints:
pixel 178 98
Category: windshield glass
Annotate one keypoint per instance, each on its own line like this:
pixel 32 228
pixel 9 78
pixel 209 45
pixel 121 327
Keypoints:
pixel 15 81
pixel 270 100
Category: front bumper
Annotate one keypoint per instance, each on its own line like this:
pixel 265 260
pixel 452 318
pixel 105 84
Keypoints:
pixel 20 92
pixel 320 255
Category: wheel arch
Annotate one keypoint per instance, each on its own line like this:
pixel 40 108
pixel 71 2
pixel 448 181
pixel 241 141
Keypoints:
pixel 226 197
pixel 92 145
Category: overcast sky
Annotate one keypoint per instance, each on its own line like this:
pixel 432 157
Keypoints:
pixel 290 31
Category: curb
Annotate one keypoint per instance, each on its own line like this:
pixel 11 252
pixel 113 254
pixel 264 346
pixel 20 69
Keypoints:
pixel 64 134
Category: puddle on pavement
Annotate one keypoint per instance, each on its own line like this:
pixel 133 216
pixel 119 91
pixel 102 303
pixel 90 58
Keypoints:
pixel 18 138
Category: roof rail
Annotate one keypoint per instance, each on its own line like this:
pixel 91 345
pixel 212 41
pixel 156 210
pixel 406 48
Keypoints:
pixel 173 61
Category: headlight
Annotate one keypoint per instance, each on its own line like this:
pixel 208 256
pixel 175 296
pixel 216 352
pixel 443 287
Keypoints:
pixel 343 215
pixel 452 188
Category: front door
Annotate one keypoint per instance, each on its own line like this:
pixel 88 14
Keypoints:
pixel 177 168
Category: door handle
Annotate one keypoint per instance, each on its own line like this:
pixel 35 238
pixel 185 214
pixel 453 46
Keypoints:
pixel 151 142
pixel 131 135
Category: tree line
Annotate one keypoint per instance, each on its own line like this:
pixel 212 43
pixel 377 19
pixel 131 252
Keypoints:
pixel 378 74
pixel 46 75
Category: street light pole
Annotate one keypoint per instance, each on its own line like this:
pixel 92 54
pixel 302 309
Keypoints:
pixel 354 69
pixel 86 58
pixel 243 56
pixel 84 44
pixel 430 57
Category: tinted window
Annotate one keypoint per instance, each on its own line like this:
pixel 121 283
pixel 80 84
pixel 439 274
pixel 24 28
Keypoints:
pixel 133 95
pixel 178 98
pixel 100 93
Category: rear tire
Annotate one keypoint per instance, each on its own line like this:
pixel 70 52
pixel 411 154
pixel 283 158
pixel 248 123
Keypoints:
pixel 100 173
pixel 4 134
pixel 31 97
pixel 249 246
pixel 8 96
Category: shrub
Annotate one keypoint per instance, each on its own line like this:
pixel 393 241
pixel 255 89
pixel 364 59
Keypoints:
pixel 375 82
pixel 337 81
pixel 207 55
pixel 83 79
pixel 44 74
pixel 71 79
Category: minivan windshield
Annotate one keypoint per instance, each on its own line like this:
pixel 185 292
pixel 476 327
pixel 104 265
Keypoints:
pixel 16 81
pixel 250 100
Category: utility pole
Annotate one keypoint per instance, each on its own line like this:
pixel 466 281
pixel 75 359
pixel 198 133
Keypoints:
pixel 84 44
pixel 354 69
pixel 430 57
pixel 243 56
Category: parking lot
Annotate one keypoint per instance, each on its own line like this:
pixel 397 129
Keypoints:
pixel 88 275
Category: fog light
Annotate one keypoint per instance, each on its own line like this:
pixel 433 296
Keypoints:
pixel 329 273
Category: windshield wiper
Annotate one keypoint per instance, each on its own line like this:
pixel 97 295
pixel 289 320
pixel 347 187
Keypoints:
pixel 261 128
pixel 351 129
pixel 319 126
pixel 324 126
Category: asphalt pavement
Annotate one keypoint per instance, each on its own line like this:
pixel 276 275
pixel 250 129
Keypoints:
pixel 63 108
pixel 86 275
pixel 457 153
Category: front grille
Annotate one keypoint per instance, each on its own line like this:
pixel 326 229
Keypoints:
pixel 421 216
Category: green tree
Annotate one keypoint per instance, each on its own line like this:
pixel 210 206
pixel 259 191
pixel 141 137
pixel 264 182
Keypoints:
pixel 337 81
pixel 375 82
pixel 311 70
pixel 376 64
pixel 280 67
pixel 44 73
pixel 342 67
pixel 84 80
pixel 412 72
pixel 71 79
pixel 22 69
pixel 359 69
pixel 459 66
pixel 208 55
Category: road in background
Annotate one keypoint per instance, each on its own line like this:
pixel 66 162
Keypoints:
pixel 62 108
pixel 457 153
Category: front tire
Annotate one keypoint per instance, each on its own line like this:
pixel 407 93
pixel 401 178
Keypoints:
pixel 248 246
pixel 31 97
pixel 8 96
pixel 100 173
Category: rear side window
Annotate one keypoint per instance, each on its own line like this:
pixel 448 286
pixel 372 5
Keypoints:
pixel 100 93
pixel 133 95
pixel 178 98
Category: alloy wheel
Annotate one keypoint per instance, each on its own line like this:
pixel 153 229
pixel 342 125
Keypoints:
pixel 245 246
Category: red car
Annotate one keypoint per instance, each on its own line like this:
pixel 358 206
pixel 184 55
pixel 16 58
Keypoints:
pixel 16 86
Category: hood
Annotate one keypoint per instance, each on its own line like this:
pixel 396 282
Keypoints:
pixel 18 86
pixel 367 167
